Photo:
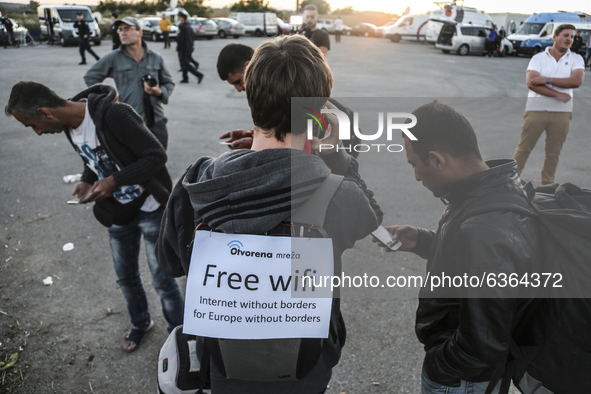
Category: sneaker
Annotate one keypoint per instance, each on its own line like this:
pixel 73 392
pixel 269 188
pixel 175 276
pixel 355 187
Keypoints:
pixel 199 79
pixel 82 62
pixel 184 81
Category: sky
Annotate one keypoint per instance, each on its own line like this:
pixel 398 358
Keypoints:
pixel 398 6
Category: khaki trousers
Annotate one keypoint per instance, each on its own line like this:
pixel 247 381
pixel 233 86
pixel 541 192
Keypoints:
pixel 556 125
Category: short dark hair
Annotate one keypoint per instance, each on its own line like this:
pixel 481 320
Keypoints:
pixel 310 7
pixel 232 58
pixel 440 127
pixel 565 26
pixel 79 13
pixel 115 14
pixel 27 96
pixel 286 67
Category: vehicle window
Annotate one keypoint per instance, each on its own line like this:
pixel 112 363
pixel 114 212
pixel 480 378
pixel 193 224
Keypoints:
pixel 489 24
pixel 467 31
pixel 585 35
pixel 209 23
pixel 549 30
pixel 70 15
pixel 407 22
pixel 480 32
pixel 530 28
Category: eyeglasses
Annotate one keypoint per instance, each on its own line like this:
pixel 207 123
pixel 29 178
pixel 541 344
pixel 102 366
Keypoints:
pixel 125 29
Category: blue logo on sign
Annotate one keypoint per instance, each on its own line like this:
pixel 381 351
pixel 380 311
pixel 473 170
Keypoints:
pixel 235 244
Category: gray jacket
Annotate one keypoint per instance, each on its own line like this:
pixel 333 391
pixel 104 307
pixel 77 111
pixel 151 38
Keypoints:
pixel 128 73
pixel 249 192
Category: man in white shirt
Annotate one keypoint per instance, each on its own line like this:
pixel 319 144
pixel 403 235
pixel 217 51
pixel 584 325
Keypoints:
pixel 551 77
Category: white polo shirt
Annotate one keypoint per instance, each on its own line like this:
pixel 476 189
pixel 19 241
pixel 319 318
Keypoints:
pixel 547 66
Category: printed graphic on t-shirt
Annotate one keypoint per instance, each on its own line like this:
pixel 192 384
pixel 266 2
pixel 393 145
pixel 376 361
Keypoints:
pixel 98 161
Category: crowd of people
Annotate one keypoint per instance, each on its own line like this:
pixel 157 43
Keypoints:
pixel 273 169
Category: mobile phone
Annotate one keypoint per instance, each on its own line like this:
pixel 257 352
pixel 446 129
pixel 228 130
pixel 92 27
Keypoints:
pixel 385 237
pixel 77 200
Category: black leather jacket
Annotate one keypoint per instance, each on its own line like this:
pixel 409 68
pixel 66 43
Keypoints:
pixel 467 338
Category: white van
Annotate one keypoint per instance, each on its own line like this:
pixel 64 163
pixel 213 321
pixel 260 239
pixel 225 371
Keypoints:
pixel 62 18
pixel 536 32
pixel 455 13
pixel 326 25
pixel 409 27
pixel 257 23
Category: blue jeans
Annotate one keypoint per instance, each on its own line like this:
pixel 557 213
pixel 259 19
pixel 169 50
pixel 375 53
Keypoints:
pixel 125 247
pixel 430 387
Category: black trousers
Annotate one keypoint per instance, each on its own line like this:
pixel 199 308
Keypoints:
pixel 188 66
pixel 160 131
pixel 165 35
pixel 85 46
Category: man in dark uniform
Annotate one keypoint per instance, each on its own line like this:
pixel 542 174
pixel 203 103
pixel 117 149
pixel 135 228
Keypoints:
pixel 184 47
pixel 9 32
pixel 83 34
pixel 318 37
pixel 114 33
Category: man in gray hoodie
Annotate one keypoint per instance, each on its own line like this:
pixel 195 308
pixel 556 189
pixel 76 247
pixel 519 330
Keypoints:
pixel 124 174
pixel 254 191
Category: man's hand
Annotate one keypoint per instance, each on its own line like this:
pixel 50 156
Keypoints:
pixel 81 189
pixel 240 139
pixel 155 91
pixel 101 189
pixel 331 137
pixel 564 97
pixel 408 235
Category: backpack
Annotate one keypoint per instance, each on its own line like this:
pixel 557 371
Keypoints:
pixel 289 359
pixel 269 360
pixel 183 365
pixel 550 351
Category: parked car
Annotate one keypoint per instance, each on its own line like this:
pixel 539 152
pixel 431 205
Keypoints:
pixel 534 45
pixel 409 27
pixel 282 27
pixel 21 33
pixel 326 24
pixel 537 29
pixel 464 39
pixel 203 27
pixel 454 13
pixel 62 19
pixel 229 27
pixel 257 23
pixel 363 29
pixel 151 29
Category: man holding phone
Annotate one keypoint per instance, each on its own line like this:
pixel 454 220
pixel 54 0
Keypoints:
pixel 466 335
pixel 124 174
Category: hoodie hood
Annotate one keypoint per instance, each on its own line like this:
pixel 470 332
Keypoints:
pixel 98 97
pixel 251 192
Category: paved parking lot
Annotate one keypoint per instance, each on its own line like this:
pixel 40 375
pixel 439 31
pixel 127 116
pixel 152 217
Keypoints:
pixel 73 328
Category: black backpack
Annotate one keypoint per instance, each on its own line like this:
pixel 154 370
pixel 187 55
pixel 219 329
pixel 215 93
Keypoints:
pixel 550 351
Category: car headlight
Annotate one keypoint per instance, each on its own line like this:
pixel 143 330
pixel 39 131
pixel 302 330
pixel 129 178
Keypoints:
pixel 526 43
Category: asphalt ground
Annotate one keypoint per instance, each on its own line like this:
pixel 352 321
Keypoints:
pixel 70 332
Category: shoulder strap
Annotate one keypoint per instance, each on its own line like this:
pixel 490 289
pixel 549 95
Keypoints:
pixel 313 211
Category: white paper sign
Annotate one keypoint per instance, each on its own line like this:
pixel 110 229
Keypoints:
pixel 249 287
